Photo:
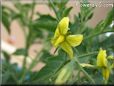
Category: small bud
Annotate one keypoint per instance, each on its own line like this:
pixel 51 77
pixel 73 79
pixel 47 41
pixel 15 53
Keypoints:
pixel 65 73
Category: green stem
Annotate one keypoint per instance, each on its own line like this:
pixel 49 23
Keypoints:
pixel 27 48
pixel 35 61
pixel 81 68
pixel 32 12
pixel 56 13
pixel 23 70
pixel 82 27
pixel 88 54
pixel 93 35
pixel 55 50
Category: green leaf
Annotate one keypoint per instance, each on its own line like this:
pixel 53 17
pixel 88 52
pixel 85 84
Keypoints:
pixel 108 42
pixel 89 16
pixel 48 71
pixel 5 77
pixel 7 16
pixel 6 19
pixel 66 11
pixel 46 55
pixel 33 35
pixel 20 51
pixel 98 28
pixel 23 7
pixel 103 24
pixel 86 11
pixel 17 4
pixel 17 16
pixel 58 3
pixel 8 72
pixel 75 26
pixel 64 2
pixel 6 56
pixel 109 18
pixel 46 22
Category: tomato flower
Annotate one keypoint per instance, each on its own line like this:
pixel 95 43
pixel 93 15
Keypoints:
pixel 63 39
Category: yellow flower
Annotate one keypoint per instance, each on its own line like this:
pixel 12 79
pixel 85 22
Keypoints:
pixel 103 63
pixel 106 73
pixel 101 58
pixel 65 41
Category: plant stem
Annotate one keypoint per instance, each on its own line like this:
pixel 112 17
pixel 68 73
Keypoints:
pixel 55 51
pixel 27 48
pixel 91 53
pixel 93 35
pixel 56 13
pixel 81 68
pixel 35 60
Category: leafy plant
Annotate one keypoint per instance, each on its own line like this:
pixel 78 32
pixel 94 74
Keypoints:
pixel 81 68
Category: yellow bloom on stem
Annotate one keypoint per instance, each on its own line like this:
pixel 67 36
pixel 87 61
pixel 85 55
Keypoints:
pixel 65 41
pixel 101 58
pixel 103 63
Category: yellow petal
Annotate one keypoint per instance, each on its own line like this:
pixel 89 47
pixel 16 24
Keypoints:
pixel 101 58
pixel 74 40
pixel 106 73
pixel 67 48
pixel 63 25
pixel 56 33
pixel 57 41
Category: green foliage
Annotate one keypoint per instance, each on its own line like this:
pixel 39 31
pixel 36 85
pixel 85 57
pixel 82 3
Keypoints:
pixel 94 39
pixel 52 66
pixel 45 22
pixel 6 18
pixel 21 51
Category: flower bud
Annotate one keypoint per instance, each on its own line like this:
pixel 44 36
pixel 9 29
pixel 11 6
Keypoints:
pixel 65 73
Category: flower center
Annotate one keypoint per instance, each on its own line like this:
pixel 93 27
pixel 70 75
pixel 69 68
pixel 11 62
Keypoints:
pixel 59 40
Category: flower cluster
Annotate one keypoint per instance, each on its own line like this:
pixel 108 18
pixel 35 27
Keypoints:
pixel 67 41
